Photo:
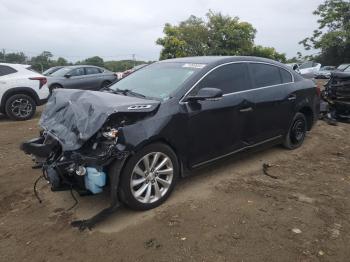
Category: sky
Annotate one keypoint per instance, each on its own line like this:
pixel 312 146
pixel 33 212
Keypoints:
pixel 117 29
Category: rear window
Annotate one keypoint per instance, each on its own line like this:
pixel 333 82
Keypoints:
pixel 6 70
pixel 286 76
pixel 92 70
pixel 265 75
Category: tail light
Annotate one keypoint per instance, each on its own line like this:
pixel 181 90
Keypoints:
pixel 42 80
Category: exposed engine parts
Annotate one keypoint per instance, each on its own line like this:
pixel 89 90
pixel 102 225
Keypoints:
pixel 336 99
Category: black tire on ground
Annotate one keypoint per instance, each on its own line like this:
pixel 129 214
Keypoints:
pixel 20 107
pixel 154 180
pixel 297 132
pixel 105 84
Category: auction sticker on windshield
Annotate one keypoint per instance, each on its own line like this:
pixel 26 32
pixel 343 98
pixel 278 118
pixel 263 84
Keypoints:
pixel 198 66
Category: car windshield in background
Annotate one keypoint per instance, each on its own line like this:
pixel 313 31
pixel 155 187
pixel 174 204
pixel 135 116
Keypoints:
pixel 61 72
pixel 51 71
pixel 158 80
pixel 343 66
pixel 307 65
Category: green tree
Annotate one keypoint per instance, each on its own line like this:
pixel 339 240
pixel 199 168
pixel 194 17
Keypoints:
pixel 95 60
pixel 18 58
pixel 61 62
pixel 217 34
pixel 42 61
pixel 122 65
pixel 229 36
pixel 332 37
pixel 268 52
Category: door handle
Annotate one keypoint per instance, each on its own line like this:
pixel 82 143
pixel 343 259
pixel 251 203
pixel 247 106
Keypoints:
pixel 292 97
pixel 246 109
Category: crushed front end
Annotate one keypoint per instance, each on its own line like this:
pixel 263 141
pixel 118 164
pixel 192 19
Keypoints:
pixel 337 95
pixel 82 146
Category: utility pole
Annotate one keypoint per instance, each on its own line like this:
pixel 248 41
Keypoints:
pixel 4 54
pixel 134 59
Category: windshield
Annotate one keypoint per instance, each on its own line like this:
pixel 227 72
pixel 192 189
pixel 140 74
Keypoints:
pixel 343 66
pixel 158 80
pixel 51 70
pixel 306 65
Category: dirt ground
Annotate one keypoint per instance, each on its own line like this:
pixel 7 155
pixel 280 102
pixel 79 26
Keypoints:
pixel 230 211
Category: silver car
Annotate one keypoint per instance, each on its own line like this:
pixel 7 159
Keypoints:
pixel 81 77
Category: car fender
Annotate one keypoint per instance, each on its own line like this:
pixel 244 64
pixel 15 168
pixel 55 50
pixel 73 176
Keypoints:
pixel 18 90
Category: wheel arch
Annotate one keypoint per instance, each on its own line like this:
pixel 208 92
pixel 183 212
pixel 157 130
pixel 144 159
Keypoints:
pixel 18 90
pixel 57 84
pixel 309 115
pixel 163 141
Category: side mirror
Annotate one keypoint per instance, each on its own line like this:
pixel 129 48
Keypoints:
pixel 67 75
pixel 205 94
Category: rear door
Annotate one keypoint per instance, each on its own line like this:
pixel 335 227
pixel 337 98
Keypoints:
pixel 272 100
pixel 216 127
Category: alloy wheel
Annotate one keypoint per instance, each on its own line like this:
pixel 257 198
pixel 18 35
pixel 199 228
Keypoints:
pixel 298 131
pixel 151 177
pixel 21 107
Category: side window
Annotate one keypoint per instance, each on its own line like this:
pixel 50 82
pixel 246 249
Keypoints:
pixel 229 78
pixel 77 72
pixel 92 70
pixel 6 70
pixel 265 75
pixel 286 76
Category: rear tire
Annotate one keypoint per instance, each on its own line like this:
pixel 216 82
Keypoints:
pixel 145 186
pixel 20 107
pixel 297 132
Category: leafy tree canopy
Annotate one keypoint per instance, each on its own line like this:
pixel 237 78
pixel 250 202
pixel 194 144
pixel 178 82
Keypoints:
pixel 216 34
pixel 332 37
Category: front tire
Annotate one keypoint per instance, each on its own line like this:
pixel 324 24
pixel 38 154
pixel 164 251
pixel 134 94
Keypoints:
pixel 149 177
pixel 297 132
pixel 20 107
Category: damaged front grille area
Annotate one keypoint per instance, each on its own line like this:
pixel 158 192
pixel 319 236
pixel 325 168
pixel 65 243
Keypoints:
pixel 337 97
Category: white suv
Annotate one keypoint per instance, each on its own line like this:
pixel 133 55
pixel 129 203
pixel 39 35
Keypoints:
pixel 21 90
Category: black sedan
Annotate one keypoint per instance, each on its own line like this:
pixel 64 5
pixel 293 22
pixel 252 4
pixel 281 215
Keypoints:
pixel 144 132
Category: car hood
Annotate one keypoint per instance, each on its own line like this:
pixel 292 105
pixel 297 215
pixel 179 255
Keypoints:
pixel 74 116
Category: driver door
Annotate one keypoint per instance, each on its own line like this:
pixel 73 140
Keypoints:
pixel 216 127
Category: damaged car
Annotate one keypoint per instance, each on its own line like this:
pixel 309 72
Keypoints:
pixel 137 137
pixel 337 96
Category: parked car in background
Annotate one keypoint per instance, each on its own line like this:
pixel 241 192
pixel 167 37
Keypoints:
pixel 309 68
pixel 325 72
pixel 52 70
pixel 294 66
pixel 21 91
pixel 132 70
pixel 81 77
pixel 343 67
pixel 146 130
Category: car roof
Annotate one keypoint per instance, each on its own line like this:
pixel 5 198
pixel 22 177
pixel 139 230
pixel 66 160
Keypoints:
pixel 218 60
pixel 78 66
pixel 16 66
